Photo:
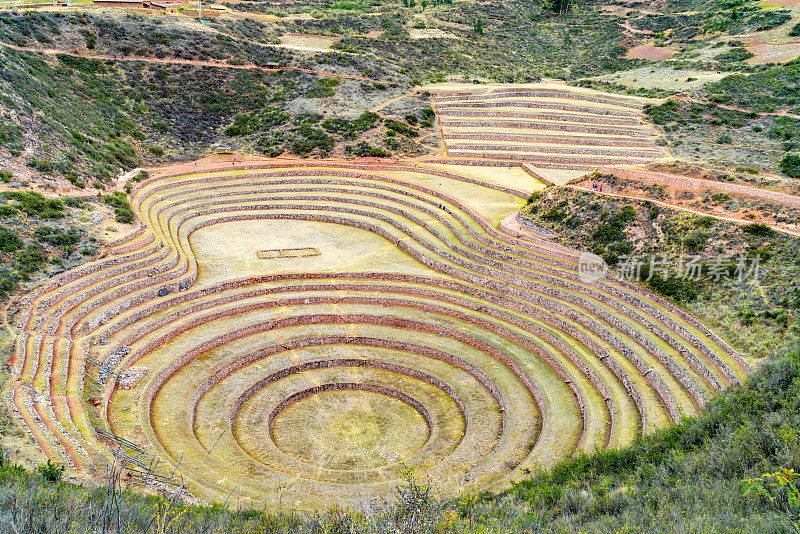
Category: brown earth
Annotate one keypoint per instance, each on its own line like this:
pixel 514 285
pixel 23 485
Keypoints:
pixel 653 53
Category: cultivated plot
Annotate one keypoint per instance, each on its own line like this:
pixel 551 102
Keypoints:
pixel 416 334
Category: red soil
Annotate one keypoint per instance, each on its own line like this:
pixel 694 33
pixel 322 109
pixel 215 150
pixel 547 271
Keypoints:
pixel 653 53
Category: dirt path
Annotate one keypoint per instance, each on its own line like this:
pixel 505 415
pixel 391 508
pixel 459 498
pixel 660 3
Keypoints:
pixel 627 26
pixel 793 233
pixel 196 62
pixel 690 182
pixel 392 101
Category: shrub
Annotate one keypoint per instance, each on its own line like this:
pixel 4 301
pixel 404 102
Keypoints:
pixel 308 139
pixel 30 260
pixel 66 239
pixel 351 129
pixel 785 129
pixel 556 212
pixel 695 241
pixel 36 205
pixel 7 211
pixel 122 209
pixel 257 121
pixel 364 149
pixel 323 88
pixel 8 282
pixel 734 55
pixel 400 128
pixel 795 31
pixel 666 113
pixel 9 241
pixel 790 165
pixel 74 202
pixel 679 289
pixel 51 472
pixel 706 221
pixel 758 229
pixel 613 228
pixel 77 182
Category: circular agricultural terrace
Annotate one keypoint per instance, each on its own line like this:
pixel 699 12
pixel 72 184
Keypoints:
pixel 301 330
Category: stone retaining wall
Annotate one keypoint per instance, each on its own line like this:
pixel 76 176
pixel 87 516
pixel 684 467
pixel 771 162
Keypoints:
pixel 554 126
pixel 541 105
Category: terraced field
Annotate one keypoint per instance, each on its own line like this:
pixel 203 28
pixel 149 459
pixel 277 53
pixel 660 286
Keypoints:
pixel 547 126
pixel 398 325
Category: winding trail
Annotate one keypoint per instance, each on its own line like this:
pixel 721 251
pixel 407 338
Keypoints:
pixel 742 222
pixel 194 62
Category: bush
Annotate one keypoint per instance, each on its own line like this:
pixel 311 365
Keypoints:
pixel 77 182
pixel 51 472
pixel 30 260
pixel 122 209
pixel 7 211
pixel 66 239
pixel 8 283
pixel 392 144
pixel 785 129
pixel 678 289
pixel 323 88
pixel 74 202
pixel 400 128
pixel 666 113
pixel 257 121
pixel 309 139
pixel 734 55
pixel 613 227
pixel 695 241
pixel 36 205
pixel 795 31
pixel 790 165
pixel 364 149
pixel 155 150
pixel 351 129
pixel 9 241
pixel 758 229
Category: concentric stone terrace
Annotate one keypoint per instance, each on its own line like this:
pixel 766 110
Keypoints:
pixel 416 332
pixel 545 125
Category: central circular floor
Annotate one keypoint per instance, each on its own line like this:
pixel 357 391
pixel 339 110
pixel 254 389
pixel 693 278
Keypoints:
pixel 350 430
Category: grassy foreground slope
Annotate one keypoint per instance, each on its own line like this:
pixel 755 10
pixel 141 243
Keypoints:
pixel 684 479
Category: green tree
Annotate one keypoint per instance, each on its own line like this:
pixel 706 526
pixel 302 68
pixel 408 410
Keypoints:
pixel 559 6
